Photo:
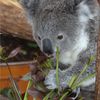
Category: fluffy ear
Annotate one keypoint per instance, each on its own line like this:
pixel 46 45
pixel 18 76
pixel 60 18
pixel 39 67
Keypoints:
pixel 30 6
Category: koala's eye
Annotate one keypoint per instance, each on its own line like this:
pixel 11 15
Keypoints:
pixel 60 37
pixel 39 37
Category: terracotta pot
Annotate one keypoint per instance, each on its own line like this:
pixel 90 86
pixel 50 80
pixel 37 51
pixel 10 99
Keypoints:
pixel 18 69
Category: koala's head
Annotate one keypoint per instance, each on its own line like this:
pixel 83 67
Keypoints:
pixel 57 23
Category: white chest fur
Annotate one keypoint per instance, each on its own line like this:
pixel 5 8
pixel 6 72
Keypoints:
pixel 70 57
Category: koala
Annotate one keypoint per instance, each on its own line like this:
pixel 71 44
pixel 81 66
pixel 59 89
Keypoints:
pixel 70 25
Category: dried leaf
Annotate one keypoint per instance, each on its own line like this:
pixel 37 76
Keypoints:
pixel 1 50
pixel 14 52
pixel 24 52
pixel 39 76
pixel 26 77
pixel 34 92
pixel 33 68
pixel 3 97
pixel 41 87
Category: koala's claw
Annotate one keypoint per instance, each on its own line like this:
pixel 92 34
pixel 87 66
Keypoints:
pixel 77 91
pixel 50 80
pixel 50 84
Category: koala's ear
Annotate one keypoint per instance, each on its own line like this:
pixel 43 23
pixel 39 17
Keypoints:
pixel 30 6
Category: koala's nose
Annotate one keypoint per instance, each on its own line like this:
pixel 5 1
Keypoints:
pixel 47 47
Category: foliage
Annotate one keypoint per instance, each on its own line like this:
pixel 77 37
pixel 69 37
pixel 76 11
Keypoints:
pixel 37 79
pixel 74 83
pixel 28 86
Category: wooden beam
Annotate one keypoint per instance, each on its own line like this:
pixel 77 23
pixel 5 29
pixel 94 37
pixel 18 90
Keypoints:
pixel 98 72
pixel 97 91
pixel 13 20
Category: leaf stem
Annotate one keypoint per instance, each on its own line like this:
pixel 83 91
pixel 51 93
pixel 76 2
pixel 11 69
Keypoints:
pixel 57 69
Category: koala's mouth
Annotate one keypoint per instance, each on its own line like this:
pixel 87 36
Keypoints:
pixel 63 66
pixel 52 56
pixel 49 56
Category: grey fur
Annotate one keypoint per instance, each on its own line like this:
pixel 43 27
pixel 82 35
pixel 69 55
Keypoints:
pixel 51 17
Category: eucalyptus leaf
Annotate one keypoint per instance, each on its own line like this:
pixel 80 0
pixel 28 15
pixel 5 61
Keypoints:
pixel 1 50
pixel 14 52
pixel 26 77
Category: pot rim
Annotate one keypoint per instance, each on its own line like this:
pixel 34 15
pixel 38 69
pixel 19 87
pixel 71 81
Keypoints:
pixel 18 63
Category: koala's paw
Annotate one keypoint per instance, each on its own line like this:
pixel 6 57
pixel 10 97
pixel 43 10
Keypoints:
pixel 50 80
pixel 77 92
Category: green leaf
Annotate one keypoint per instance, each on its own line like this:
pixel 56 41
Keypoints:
pixel 28 86
pixel 71 82
pixel 57 69
pixel 64 95
pixel 48 95
pixel 26 77
pixel 17 92
pixel 47 64
pixel 11 95
pixel 83 80
pixel 1 50
pixel 33 45
pixel 85 68
pixel 4 91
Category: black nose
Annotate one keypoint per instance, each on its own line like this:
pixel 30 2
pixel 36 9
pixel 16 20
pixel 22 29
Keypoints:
pixel 47 46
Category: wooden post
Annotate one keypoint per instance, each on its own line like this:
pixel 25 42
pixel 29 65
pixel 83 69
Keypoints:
pixel 98 72
pixel 13 20
pixel 97 91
